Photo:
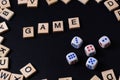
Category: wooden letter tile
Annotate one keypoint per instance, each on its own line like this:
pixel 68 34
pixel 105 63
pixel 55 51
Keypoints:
pixel 1 39
pixel 117 14
pixel 6 14
pixel 95 77
pixel 108 75
pixel 16 76
pixel 98 1
pixel 3 50
pixel 84 1
pixel 58 26
pixel 32 3
pixel 5 3
pixel 28 70
pixel 20 2
pixel 50 2
pixel 66 1
pixel 5 75
pixel 28 32
pixel 3 27
pixel 119 77
pixel 111 4
pixel 43 28
pixel 0 10
pixel 4 62
pixel 66 78
pixel 74 23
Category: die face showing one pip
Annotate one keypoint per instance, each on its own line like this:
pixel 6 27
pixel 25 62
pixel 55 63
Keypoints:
pixel 104 42
pixel 91 63
pixel 71 58
pixel 90 50
pixel 77 42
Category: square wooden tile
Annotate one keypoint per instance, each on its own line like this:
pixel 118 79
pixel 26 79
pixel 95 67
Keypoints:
pixel 32 3
pixel 43 28
pixel 119 77
pixel 66 78
pixel 50 2
pixel 15 76
pixel 98 1
pixel 28 70
pixel 95 77
pixel 84 1
pixel 5 75
pixel 74 23
pixel 3 50
pixel 66 1
pixel 6 14
pixel 28 32
pixel 108 75
pixel 117 14
pixel 111 4
pixel 5 3
pixel 20 2
pixel 1 39
pixel 4 62
pixel 3 27
pixel 0 10
pixel 58 26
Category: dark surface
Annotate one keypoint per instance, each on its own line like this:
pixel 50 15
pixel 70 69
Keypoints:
pixel 47 52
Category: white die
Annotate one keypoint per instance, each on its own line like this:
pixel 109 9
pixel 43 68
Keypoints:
pixel 90 50
pixel 76 42
pixel 91 63
pixel 71 58
pixel 104 42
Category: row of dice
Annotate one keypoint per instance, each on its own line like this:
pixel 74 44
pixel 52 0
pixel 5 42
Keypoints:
pixel 90 51
pixel 72 58
pixel 77 42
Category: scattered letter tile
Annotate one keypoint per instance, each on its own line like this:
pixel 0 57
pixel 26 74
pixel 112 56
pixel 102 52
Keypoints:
pixel 83 1
pixel 111 4
pixel 95 77
pixel 108 75
pixel 5 75
pixel 5 3
pixel 6 14
pixel 3 50
pixel 32 3
pixel 15 76
pixel 3 27
pixel 20 2
pixel 4 62
pixel 117 14
pixel 50 2
pixel 66 78
pixel 28 70
pixel 66 1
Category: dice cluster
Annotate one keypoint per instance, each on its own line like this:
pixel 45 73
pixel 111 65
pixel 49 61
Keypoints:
pixel 89 50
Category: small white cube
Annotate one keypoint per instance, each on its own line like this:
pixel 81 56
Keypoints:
pixel 77 42
pixel 71 58
pixel 90 50
pixel 104 42
pixel 91 63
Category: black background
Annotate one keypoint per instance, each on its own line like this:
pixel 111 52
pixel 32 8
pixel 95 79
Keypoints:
pixel 47 52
